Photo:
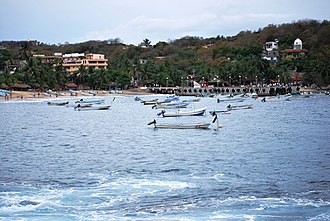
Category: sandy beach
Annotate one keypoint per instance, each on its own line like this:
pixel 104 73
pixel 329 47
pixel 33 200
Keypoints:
pixel 34 95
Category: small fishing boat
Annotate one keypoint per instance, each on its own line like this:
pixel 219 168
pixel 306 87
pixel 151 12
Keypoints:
pixel 150 102
pixel 87 94
pixel 186 126
pixel 92 107
pixel 170 99
pixel 277 98
pixel 57 103
pixel 82 105
pixel 197 112
pixel 182 126
pixel 93 101
pixel 171 105
pixel 192 100
pixel 219 112
pixel 239 106
pixel 147 102
pixel 230 99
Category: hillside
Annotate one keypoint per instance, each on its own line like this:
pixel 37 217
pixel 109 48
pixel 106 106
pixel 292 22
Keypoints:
pixel 228 60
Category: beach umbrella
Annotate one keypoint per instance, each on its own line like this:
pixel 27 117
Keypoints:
pixel 4 86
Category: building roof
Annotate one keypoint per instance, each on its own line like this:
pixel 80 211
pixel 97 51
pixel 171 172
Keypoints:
pixel 71 85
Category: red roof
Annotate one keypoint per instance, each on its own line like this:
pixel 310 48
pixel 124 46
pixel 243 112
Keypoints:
pixel 71 85
pixel 294 50
pixel 296 76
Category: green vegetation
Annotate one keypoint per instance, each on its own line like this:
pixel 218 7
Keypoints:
pixel 231 60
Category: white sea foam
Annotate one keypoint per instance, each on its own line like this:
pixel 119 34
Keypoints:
pixel 17 203
pixel 225 216
pixel 323 216
pixel 161 184
pixel 218 176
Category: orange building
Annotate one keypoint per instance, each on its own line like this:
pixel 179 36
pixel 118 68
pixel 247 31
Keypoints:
pixel 72 62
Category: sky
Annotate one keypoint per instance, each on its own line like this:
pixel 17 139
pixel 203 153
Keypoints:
pixel 73 21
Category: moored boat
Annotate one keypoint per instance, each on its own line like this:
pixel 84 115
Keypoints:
pixel 186 126
pixel 94 101
pixel 147 102
pixel 92 107
pixel 171 105
pixel 277 98
pixel 84 105
pixel 57 103
pixel 239 106
pixel 219 112
pixel 197 112
pixel 183 126
pixel 230 99
pixel 192 100
pixel 171 99
pixel 150 102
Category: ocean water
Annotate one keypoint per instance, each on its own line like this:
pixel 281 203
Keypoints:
pixel 271 162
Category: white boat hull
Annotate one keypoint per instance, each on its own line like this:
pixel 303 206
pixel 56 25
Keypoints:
pixel 278 99
pixel 183 126
pixel 105 107
pixel 171 105
pixel 239 107
pixel 198 112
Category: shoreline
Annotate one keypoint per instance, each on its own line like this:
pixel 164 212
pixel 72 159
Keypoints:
pixel 24 96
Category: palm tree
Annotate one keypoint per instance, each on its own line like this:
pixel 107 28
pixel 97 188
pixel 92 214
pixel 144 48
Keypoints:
pixel 101 78
pixel 59 76
pixel 6 77
pixel 81 76
pixel 146 42
pixel 90 77
pixel 285 74
pixel 25 51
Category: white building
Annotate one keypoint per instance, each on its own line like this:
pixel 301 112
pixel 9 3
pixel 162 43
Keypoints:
pixel 270 51
pixel 271 45
pixel 297 44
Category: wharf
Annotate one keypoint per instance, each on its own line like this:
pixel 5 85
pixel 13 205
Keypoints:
pixel 190 91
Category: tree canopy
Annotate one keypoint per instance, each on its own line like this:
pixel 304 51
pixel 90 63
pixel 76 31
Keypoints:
pixel 238 58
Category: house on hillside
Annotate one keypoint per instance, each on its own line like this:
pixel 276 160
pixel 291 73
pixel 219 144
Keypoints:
pixel 52 59
pixel 296 52
pixel 270 52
